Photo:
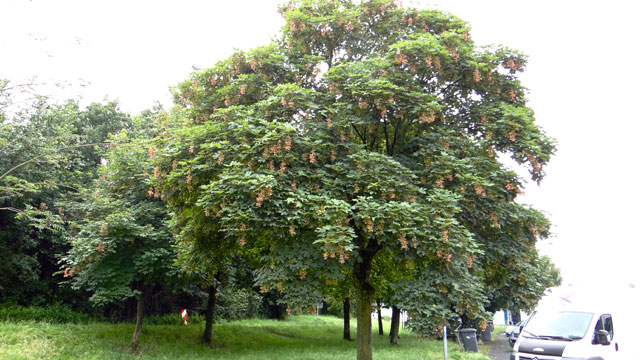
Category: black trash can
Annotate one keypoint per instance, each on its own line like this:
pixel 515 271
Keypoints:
pixel 486 334
pixel 469 339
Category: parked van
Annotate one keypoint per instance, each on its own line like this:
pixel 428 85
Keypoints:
pixel 578 327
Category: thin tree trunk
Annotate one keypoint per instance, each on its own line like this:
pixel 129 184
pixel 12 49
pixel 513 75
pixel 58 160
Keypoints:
pixel 208 325
pixel 364 298
pixel 380 328
pixel 346 309
pixel 395 325
pixel 363 304
pixel 139 317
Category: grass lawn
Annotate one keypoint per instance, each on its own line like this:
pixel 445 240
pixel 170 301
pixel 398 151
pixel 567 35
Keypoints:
pixel 299 337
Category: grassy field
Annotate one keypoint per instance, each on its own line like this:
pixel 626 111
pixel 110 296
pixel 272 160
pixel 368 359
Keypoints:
pixel 300 337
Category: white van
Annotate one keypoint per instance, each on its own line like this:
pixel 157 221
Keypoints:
pixel 578 330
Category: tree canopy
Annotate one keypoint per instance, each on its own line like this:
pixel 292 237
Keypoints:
pixel 365 132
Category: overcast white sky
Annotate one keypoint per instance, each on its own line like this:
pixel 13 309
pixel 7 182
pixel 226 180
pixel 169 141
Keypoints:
pixel 582 76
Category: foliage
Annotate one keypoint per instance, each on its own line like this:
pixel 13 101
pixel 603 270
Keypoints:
pixel 367 133
pixel 238 304
pixel 54 314
pixel 43 161
pixel 120 243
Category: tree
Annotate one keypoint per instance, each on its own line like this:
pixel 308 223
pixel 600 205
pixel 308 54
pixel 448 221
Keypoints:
pixel 368 131
pixel 121 245
pixel 43 163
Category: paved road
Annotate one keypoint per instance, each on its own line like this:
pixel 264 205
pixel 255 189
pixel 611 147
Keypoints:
pixel 500 349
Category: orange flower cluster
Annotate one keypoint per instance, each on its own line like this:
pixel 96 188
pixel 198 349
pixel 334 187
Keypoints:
pixel 369 224
pixel 152 151
pixel 348 26
pixel 476 75
pixel 403 241
pixel 479 190
pixel 401 58
pixel 491 152
pixel 263 195
pixel 470 261
pixel 302 273
pixel 454 55
pixel 68 273
pixel 428 119
pixel 494 221
pixel 436 63
pixel 533 161
pixel 510 64
pixel 445 256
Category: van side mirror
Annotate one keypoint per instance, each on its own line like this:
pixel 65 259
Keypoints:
pixel 602 337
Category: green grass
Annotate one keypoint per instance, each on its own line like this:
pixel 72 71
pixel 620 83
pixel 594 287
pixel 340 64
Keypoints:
pixel 300 337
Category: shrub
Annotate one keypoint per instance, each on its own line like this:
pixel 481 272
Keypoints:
pixel 56 313
pixel 238 304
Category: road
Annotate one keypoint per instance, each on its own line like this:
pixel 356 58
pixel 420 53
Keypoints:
pixel 500 349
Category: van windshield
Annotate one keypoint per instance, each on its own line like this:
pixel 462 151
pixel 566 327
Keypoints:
pixel 568 325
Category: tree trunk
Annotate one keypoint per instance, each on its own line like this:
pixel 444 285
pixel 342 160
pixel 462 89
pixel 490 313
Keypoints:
pixel 211 305
pixel 364 298
pixel 379 306
pixel 363 304
pixel 346 309
pixel 139 316
pixel 395 325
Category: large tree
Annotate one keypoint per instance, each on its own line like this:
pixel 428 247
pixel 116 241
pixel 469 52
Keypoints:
pixel 367 132
pixel 121 246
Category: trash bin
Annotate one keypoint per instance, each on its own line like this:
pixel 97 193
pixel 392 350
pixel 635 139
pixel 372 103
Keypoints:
pixel 469 339
pixel 486 334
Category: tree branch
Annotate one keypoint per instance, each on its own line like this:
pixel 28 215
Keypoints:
pixel 359 135
pixel 47 153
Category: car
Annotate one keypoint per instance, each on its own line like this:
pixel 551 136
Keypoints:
pixel 510 329
pixel 515 333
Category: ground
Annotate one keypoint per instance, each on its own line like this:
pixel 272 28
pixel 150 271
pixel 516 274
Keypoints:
pixel 500 349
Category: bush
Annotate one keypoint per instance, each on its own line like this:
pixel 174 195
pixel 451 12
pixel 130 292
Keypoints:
pixel 238 304
pixel 56 313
